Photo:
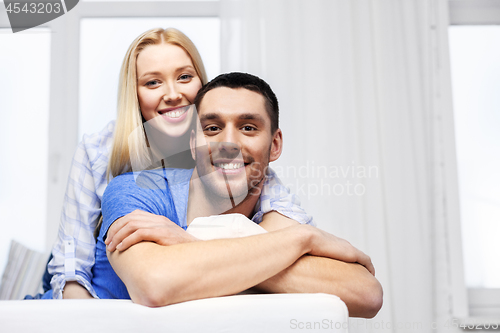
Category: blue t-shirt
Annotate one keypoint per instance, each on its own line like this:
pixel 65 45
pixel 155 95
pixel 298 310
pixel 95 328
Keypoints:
pixel 161 192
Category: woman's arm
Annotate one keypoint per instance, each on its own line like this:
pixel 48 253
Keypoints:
pixel 74 249
pixel 74 290
pixel 276 197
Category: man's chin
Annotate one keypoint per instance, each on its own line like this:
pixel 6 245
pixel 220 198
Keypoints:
pixel 234 193
pixel 221 192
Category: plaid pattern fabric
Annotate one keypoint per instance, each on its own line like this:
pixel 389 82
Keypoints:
pixel 74 250
pixel 277 197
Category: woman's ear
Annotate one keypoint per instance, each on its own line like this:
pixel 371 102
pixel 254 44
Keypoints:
pixel 276 146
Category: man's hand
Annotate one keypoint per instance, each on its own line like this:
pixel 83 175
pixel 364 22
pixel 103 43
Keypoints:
pixel 325 272
pixel 324 244
pixel 141 226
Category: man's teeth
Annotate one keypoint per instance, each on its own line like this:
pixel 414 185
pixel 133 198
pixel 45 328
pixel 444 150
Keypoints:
pixel 174 114
pixel 229 166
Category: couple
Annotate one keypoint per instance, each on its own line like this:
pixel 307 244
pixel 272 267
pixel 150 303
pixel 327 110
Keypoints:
pixel 239 116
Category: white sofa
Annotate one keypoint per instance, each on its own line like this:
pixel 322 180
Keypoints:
pixel 239 313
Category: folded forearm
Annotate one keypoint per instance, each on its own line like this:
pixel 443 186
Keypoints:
pixel 160 275
pixel 351 282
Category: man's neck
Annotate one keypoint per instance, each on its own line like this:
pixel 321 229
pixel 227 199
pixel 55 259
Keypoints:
pixel 199 204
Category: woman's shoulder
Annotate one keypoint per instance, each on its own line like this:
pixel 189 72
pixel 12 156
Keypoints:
pixel 101 139
pixel 97 146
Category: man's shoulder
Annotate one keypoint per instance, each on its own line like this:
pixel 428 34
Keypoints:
pixel 148 190
pixel 137 181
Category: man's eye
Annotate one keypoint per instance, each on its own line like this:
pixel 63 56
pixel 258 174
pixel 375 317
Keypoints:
pixel 249 128
pixel 211 128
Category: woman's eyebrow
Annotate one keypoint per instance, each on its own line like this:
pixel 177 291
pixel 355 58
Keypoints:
pixel 184 68
pixel 180 69
pixel 149 73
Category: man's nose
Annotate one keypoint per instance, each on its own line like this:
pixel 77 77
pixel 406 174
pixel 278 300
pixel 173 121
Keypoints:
pixel 228 142
pixel 230 148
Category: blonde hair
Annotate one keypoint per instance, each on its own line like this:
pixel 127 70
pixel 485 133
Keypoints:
pixel 129 144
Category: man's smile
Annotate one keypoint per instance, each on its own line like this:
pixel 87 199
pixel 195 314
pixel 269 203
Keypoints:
pixel 229 166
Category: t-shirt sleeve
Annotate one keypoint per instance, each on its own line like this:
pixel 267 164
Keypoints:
pixel 129 192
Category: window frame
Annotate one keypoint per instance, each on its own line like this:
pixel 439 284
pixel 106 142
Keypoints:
pixel 480 304
pixel 64 71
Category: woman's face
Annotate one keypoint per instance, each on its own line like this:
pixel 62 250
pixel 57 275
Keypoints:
pixel 167 82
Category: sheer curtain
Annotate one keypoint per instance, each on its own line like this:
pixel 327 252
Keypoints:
pixel 364 93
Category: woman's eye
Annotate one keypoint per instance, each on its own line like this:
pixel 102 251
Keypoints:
pixel 185 77
pixel 152 83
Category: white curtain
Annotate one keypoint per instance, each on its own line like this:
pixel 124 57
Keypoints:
pixel 364 93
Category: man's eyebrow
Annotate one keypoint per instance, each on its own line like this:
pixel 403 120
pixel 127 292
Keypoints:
pixel 244 116
pixel 252 116
pixel 209 116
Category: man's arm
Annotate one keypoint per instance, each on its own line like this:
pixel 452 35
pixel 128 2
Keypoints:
pixel 158 275
pixel 352 282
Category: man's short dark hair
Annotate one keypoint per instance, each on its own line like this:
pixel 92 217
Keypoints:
pixel 247 81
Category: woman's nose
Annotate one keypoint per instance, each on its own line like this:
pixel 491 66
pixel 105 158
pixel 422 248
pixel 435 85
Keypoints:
pixel 172 94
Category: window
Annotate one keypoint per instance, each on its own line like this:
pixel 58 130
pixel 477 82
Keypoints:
pixel 24 101
pixel 103 44
pixel 66 104
pixel 474 51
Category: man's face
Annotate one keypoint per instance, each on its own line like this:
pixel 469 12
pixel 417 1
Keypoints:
pixel 239 143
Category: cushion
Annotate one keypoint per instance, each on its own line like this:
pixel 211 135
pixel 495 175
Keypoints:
pixel 23 273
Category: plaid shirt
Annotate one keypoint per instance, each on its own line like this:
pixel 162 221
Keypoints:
pixel 74 250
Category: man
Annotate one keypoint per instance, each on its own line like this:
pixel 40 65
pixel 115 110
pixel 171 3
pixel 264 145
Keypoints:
pixel 240 136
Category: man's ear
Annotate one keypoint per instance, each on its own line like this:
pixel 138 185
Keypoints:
pixel 276 146
pixel 192 144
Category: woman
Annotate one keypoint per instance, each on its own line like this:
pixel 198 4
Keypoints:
pixel 160 76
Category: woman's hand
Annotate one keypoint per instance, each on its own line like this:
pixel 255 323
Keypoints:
pixel 141 226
